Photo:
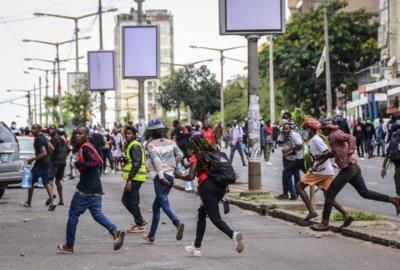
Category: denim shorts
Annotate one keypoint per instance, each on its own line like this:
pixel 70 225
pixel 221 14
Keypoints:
pixel 40 172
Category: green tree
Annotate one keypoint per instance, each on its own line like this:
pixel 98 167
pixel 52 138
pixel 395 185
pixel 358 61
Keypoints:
pixel 193 87
pixel 79 103
pixel 51 105
pixel 235 99
pixel 174 89
pixel 353 46
pixel 204 97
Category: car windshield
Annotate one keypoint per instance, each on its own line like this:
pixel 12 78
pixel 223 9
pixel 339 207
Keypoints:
pixel 26 145
pixel 6 135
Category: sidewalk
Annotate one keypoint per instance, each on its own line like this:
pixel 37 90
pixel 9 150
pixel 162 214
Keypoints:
pixel 384 231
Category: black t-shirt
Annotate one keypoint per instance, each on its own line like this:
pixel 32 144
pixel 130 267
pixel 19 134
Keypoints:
pixel 38 143
pixel 59 154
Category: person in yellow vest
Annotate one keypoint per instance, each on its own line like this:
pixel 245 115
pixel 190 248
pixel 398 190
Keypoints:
pixel 134 173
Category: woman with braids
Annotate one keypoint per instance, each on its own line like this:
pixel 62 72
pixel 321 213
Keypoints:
pixel 209 192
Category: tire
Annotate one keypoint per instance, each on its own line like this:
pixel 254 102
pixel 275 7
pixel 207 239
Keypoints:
pixel 2 189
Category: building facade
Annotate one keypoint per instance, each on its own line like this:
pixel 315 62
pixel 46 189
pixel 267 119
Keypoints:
pixel 126 95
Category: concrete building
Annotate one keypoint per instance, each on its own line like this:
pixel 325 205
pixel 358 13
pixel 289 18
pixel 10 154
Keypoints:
pixel 379 85
pixel 126 95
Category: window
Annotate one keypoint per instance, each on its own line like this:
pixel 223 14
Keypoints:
pixel 6 135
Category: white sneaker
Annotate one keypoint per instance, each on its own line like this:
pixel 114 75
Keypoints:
pixel 192 250
pixel 237 240
pixel 269 163
pixel 113 171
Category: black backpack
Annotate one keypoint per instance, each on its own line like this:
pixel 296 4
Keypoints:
pixel 220 168
pixel 393 149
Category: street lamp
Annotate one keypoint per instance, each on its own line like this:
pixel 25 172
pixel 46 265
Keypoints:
pixel 54 67
pixel 28 95
pixel 57 45
pixel 222 58
pixel 75 19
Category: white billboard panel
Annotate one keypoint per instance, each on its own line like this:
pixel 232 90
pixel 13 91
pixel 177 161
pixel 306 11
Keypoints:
pixel 101 70
pixel 140 52
pixel 246 17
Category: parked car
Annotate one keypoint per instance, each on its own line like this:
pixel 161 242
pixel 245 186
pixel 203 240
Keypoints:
pixel 10 164
pixel 26 149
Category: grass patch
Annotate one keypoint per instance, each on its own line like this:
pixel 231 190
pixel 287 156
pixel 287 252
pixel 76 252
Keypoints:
pixel 358 216
pixel 250 196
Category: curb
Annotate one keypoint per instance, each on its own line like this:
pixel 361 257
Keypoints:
pixel 274 212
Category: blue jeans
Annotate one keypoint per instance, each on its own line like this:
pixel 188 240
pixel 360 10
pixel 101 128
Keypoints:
pixel 79 205
pixel 161 201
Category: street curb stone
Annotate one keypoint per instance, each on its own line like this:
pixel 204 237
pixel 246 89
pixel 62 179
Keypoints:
pixel 273 211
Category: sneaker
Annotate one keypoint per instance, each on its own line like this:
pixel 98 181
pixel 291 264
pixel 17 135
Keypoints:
pixel 119 239
pixel 61 203
pixel 26 205
pixel 179 231
pixel 194 251
pixel 113 171
pixel 282 197
pixel 145 222
pixel 293 197
pixel 237 240
pixel 225 204
pixel 65 249
pixel 148 239
pixel 136 229
pixel 269 163
pixel 52 207
pixel 48 201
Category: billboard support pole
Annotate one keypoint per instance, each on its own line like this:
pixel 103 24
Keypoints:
pixel 102 93
pixel 141 126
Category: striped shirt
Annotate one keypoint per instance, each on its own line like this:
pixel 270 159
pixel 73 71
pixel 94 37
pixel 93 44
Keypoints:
pixel 164 155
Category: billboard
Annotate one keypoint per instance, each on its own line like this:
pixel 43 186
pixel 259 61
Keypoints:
pixel 140 52
pixel 101 72
pixel 73 78
pixel 257 17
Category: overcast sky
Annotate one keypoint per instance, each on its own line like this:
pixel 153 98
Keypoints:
pixel 195 22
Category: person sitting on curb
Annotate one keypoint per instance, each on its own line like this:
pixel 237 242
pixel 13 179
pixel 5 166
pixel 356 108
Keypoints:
pixel 321 173
pixel 165 155
pixel 88 195
pixel 134 173
pixel 342 149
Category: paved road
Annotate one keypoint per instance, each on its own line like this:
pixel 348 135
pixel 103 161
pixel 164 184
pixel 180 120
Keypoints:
pixel 272 175
pixel 29 237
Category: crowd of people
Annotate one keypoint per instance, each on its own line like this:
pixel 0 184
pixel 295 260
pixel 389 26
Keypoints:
pixel 88 150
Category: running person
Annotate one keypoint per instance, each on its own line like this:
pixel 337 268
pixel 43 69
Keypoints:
pixel 320 174
pixel 88 195
pixel 342 149
pixel 210 194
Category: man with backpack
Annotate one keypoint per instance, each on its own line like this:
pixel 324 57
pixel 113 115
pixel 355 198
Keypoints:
pixel 393 154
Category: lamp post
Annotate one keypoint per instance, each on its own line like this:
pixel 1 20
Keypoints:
pixel 57 45
pixel 54 67
pixel 222 58
pixel 76 20
pixel 28 95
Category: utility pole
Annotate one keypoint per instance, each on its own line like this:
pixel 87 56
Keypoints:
pixel 40 100
pixel 221 91
pixel 141 81
pixel 254 145
pixel 102 93
pixel 271 80
pixel 34 103
pixel 327 64
pixel 29 109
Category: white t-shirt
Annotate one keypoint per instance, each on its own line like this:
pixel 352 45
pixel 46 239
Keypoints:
pixel 291 141
pixel 317 147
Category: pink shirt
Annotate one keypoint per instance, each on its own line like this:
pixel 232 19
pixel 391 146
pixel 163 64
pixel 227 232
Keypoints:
pixel 342 147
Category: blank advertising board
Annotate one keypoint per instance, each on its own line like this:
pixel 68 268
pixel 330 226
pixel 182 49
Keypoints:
pixel 101 70
pixel 246 17
pixel 140 52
